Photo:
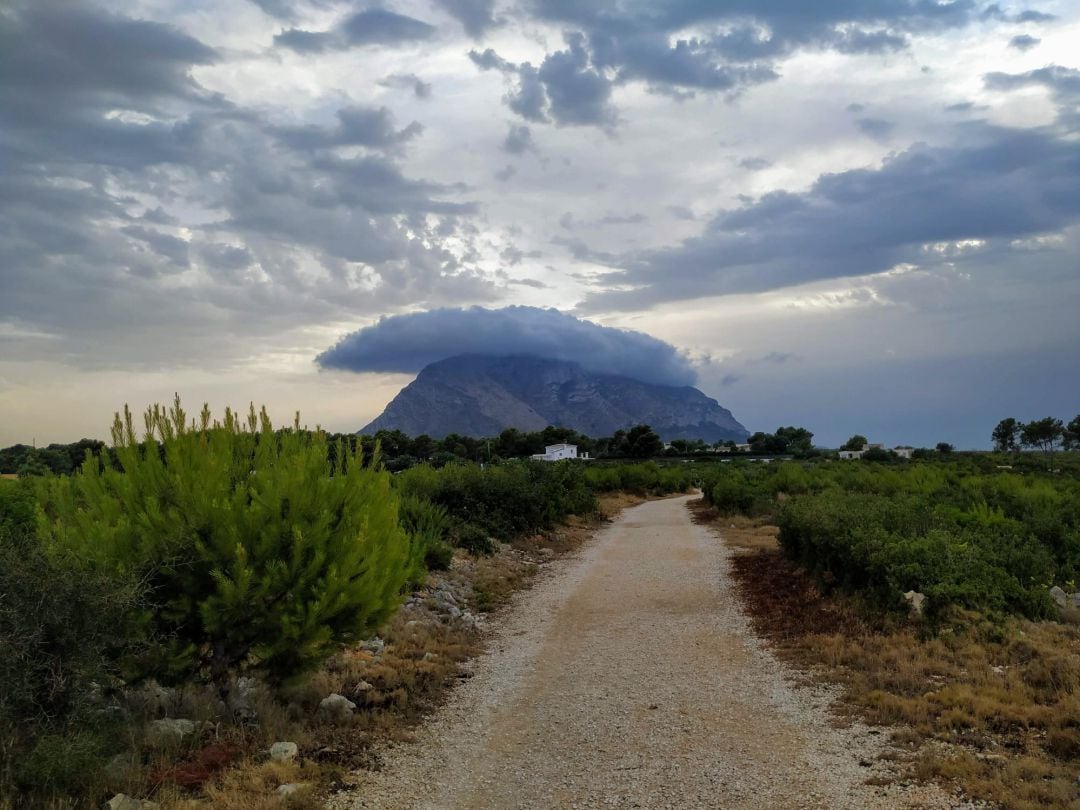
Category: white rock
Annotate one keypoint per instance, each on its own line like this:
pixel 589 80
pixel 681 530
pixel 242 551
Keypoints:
pixel 291 788
pixel 121 801
pixel 284 751
pixel 374 646
pixel 915 601
pixel 336 708
pixel 1059 596
pixel 169 731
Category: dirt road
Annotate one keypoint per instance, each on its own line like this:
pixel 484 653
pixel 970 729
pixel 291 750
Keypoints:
pixel 628 677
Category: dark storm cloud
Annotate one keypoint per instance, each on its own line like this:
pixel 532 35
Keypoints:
pixel 108 141
pixel 518 140
pixel 476 16
pixel 577 92
pixel 876 128
pixel 356 126
pixel 411 81
pixel 529 99
pixel 567 88
pixel 171 247
pixel 754 164
pixel 1024 42
pixel 1002 184
pixel 407 343
pixel 373 26
pixel 735 45
pixel 1062 82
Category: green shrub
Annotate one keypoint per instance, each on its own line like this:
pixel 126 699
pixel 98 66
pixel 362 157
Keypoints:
pixel 62 763
pixel 18 506
pixel 502 500
pixel 429 525
pixel 256 551
pixel 472 538
pixel 644 478
pixel 62 631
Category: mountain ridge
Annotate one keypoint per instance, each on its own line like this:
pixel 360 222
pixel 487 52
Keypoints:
pixel 482 395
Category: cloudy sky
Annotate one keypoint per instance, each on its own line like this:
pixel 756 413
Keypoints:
pixel 860 215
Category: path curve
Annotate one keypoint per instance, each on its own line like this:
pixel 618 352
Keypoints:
pixel 628 676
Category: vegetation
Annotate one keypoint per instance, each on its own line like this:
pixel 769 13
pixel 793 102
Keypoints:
pixel 196 552
pixel 979 688
pixel 990 541
pixel 254 553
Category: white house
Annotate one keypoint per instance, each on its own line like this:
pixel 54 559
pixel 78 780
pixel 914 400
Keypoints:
pixel 849 455
pixel 903 451
pixel 558 452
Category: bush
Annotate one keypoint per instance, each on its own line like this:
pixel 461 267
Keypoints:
pixel 429 526
pixel 62 631
pixel 504 500
pixel 472 538
pixel 647 478
pixel 256 551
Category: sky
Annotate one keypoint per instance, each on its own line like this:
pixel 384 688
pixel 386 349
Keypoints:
pixel 859 216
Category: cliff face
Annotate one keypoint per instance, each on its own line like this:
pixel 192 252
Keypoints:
pixel 481 396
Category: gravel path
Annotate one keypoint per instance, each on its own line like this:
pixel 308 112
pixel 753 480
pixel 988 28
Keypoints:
pixel 629 677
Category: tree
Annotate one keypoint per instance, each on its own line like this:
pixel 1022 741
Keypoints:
pixel 878 454
pixel 799 440
pixel 642 442
pixel 1006 435
pixel 1072 434
pixel 1043 434
pixel 856 442
pixel 256 551
pixel 944 448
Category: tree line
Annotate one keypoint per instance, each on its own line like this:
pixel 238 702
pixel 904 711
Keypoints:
pixel 1048 435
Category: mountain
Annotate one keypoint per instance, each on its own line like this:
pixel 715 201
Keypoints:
pixel 477 395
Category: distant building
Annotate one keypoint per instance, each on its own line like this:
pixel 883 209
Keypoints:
pixel 742 448
pixel 850 455
pixel 558 452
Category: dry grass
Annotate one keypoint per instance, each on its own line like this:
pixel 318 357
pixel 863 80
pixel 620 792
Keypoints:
pixel 992 709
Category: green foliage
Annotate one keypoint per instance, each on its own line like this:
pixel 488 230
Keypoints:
pixel 59 459
pixel 794 440
pixel 1072 434
pixel 735 493
pixel 1006 436
pixel 642 442
pixel 1043 434
pixel 501 500
pixel 648 478
pixel 856 442
pixel 62 630
pixel 256 551
pixel 474 539
pixel 18 506
pixel 429 525
pixel 960 532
